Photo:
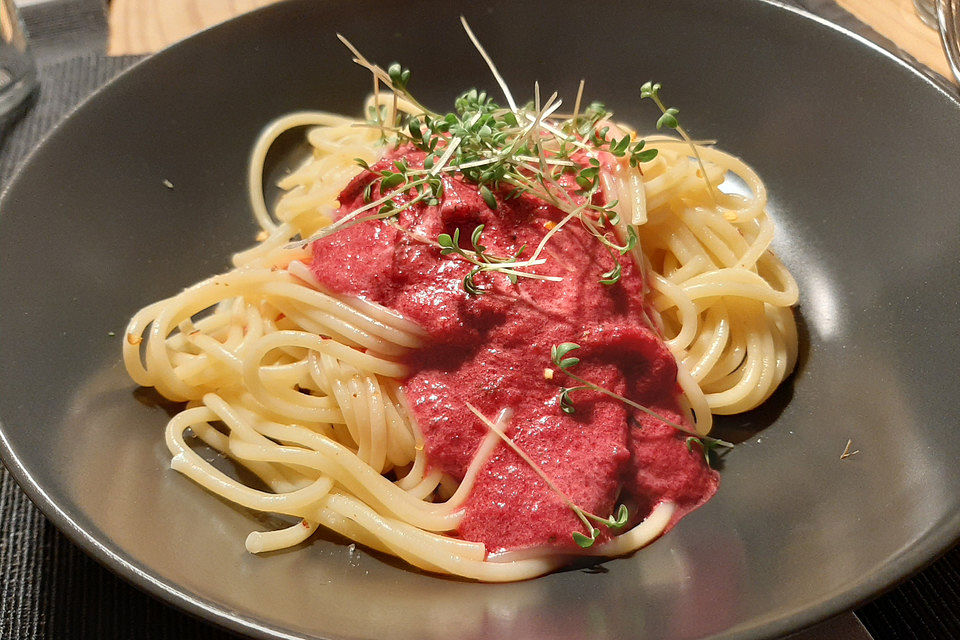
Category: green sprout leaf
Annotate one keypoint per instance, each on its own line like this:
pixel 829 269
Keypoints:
pixel 585 542
pixel 709 446
pixel 388 208
pixel 643 156
pixel 668 119
pixel 398 76
pixel 475 239
pixel 449 245
pixel 621 518
pixel 390 180
pixel 650 90
pixel 566 403
pixel 470 285
pixel 611 277
pixel 488 197
pixel 558 354
pixel 632 240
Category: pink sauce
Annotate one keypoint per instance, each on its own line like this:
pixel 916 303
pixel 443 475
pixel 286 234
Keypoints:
pixel 491 350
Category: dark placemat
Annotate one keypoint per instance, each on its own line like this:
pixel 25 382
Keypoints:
pixel 50 589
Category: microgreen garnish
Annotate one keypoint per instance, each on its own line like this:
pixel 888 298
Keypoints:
pixel 612 276
pixel 615 521
pixel 484 261
pixel 668 119
pixel 709 446
pixel 506 152
pixel 398 76
pixel 564 362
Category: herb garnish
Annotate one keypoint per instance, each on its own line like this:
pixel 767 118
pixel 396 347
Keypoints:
pixel 668 119
pixel 616 521
pixel 506 152
pixel 483 261
pixel 563 361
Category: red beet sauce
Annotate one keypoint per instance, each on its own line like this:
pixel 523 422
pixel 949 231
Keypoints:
pixel 491 351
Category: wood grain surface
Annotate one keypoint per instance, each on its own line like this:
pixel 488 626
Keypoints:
pixel 897 20
pixel 145 26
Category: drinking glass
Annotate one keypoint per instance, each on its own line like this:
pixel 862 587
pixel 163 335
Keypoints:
pixel 927 10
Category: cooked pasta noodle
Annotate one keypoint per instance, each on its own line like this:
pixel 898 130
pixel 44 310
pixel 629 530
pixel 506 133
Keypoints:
pixel 304 387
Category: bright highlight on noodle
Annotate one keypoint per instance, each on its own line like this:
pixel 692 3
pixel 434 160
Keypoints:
pixel 365 358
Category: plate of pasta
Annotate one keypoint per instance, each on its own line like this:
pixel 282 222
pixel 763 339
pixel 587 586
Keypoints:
pixel 493 323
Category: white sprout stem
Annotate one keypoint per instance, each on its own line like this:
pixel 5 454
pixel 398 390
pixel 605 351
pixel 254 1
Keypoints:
pixel 525 274
pixel 551 161
pixel 576 105
pixel 520 452
pixel 635 405
pixel 582 514
pixel 489 61
pixel 503 267
pixel 372 205
pixel 451 147
pixel 378 72
pixel 552 232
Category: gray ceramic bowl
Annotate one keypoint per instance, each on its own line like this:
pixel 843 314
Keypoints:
pixel 859 152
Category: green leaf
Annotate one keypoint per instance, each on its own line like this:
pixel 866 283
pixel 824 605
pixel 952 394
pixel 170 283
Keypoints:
pixel 415 131
pixel 488 197
pixel 650 90
pixel 566 402
pixel 469 285
pixel 709 447
pixel 475 239
pixel 362 163
pixel 398 75
pixel 622 516
pixel 668 119
pixel 610 215
pixel 645 156
pixel 558 353
pixel 582 541
pixel 632 240
pixel 613 276
pixel 390 181
pixel 447 244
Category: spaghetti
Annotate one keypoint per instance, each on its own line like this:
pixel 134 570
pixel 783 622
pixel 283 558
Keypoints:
pixel 306 386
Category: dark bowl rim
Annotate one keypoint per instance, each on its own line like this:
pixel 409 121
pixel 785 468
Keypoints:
pixel 908 563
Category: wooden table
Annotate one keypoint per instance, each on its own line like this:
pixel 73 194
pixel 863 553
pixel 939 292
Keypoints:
pixel 145 26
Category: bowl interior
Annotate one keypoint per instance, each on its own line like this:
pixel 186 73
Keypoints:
pixel 858 153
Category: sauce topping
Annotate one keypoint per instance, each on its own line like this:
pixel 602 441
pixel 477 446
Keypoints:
pixel 492 350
